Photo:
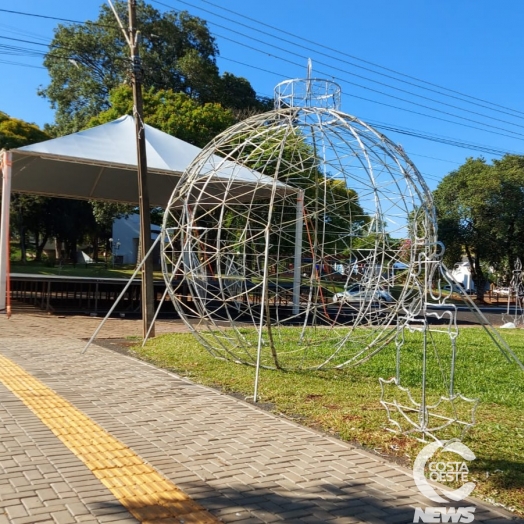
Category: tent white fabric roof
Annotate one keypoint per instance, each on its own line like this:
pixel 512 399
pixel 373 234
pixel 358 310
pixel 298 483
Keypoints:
pixel 114 143
pixel 101 164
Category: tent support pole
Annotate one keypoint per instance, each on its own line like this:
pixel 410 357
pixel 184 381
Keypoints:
pixel 4 228
pixel 263 311
pixel 297 267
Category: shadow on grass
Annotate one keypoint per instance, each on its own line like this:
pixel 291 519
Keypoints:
pixel 502 474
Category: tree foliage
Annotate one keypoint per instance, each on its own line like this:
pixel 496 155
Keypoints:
pixel 480 209
pixel 17 133
pixel 330 205
pixel 507 202
pixel 26 210
pixel 87 61
pixel 42 218
pixel 174 113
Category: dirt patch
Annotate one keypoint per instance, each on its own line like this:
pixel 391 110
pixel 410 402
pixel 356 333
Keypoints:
pixel 120 345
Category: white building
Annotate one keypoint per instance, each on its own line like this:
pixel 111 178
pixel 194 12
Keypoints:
pixel 126 232
pixel 461 273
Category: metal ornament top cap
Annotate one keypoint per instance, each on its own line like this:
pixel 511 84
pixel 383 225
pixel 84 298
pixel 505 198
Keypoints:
pixel 307 92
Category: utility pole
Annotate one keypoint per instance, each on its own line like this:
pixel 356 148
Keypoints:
pixel 148 305
pixel 148 297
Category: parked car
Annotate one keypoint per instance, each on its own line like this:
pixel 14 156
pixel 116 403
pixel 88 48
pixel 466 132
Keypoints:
pixel 363 293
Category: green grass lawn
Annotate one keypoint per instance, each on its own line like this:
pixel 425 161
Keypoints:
pixel 346 403
pixel 80 270
pixel 98 270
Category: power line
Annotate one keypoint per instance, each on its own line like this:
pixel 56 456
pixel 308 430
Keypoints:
pixel 446 140
pixel 340 79
pixel 401 108
pixel 379 83
pixel 410 132
pixel 11 29
pixel 333 50
pixel 347 62
pixel 434 158
pixel 413 133
pixel 36 53
pixel 304 47
pixel 35 15
pixel 375 90
pixel 21 64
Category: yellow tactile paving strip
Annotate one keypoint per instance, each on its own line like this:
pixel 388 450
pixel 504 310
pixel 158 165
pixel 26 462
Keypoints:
pixel 142 490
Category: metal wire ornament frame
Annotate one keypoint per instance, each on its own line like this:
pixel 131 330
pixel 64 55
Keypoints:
pixel 514 316
pixel 281 250
pixel 445 415
pixel 282 237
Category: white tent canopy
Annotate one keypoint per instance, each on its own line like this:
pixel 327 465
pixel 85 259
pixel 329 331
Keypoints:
pixel 101 164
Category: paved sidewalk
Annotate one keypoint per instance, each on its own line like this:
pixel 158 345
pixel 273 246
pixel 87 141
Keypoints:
pixel 242 464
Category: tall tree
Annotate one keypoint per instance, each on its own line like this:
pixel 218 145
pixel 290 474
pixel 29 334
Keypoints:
pixel 463 216
pixel 70 222
pixel 86 61
pixel 26 210
pixel 480 209
pixel 507 202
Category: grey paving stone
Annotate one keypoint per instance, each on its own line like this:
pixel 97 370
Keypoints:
pixel 241 518
pixel 31 502
pixel 17 510
pixel 33 519
pixel 64 517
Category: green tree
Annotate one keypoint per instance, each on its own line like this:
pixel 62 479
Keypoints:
pixel 236 93
pixel 462 214
pixel 26 210
pixel 70 222
pixel 86 61
pixel 480 209
pixel 174 113
pixel 104 214
pixel 17 133
pixel 507 202
pixel 331 207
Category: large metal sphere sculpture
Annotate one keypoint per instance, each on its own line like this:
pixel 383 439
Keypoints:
pixel 293 240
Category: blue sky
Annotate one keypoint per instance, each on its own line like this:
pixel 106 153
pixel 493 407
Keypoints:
pixel 469 50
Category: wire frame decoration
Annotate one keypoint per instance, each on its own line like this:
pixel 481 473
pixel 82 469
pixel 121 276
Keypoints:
pixel 514 315
pixel 302 238
pixel 282 240
pixel 427 327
